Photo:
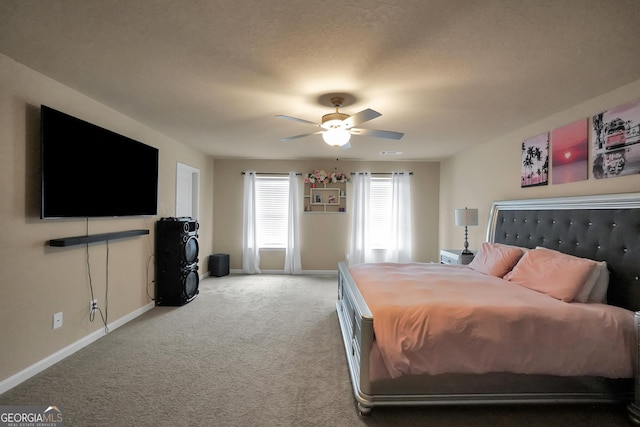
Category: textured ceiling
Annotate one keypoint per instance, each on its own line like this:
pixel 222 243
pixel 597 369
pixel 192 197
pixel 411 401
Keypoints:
pixel 214 74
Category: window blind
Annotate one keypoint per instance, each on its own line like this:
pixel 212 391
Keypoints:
pixel 272 197
pixel 380 212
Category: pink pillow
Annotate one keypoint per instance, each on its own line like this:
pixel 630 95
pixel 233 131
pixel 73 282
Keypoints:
pixel 551 272
pixel 496 259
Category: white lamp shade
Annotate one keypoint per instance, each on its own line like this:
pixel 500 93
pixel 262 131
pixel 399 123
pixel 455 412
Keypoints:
pixel 336 137
pixel 466 217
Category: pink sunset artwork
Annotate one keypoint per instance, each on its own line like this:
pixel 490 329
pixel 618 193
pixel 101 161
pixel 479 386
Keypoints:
pixel 570 152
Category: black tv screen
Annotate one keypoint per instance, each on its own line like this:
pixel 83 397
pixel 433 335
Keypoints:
pixel 89 171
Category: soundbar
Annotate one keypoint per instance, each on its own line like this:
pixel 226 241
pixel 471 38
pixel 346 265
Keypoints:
pixel 80 240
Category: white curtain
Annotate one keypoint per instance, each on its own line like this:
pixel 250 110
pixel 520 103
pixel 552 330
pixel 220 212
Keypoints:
pixel 400 250
pixel 292 263
pixel 250 250
pixel 359 247
pixel 398 246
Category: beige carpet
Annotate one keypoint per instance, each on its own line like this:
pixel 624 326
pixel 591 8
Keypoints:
pixel 259 350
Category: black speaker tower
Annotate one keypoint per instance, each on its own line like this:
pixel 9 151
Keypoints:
pixel 177 250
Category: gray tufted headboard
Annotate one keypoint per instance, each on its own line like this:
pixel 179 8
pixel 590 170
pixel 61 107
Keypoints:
pixel 603 228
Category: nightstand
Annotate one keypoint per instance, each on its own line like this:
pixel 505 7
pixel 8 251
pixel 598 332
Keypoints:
pixel 454 256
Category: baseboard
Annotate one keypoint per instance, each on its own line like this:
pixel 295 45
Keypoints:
pixel 320 272
pixel 51 360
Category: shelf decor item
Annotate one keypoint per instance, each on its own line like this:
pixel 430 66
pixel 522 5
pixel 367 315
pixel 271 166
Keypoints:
pixel 317 177
pixel 338 177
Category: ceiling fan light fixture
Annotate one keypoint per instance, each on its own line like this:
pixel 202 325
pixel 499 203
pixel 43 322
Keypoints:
pixel 338 127
pixel 336 137
pixel 333 120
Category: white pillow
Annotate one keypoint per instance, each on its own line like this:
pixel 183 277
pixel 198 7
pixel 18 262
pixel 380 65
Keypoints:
pixel 595 288
pixel 599 291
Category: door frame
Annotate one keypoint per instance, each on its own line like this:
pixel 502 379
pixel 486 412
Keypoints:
pixel 181 168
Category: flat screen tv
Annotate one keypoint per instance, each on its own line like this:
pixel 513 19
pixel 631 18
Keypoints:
pixel 89 171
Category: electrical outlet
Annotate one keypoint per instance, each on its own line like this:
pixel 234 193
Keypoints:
pixel 57 320
pixel 93 304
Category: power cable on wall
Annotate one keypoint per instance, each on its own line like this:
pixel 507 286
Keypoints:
pixel 93 310
pixel 151 257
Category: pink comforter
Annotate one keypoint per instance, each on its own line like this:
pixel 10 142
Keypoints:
pixel 434 319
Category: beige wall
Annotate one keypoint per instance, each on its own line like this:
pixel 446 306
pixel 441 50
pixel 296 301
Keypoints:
pixel 36 280
pixel 324 237
pixel 491 171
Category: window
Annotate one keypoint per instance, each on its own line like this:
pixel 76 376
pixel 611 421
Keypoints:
pixel 381 220
pixel 272 198
pixel 380 213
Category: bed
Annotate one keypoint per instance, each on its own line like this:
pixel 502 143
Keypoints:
pixel 601 228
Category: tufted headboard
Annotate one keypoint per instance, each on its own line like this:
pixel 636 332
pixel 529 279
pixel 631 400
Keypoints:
pixel 603 228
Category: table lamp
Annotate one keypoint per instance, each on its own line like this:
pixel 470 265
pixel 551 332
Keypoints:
pixel 466 217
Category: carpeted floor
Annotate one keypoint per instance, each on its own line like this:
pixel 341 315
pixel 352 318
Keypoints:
pixel 262 350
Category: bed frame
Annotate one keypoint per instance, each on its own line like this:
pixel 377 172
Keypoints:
pixel 603 228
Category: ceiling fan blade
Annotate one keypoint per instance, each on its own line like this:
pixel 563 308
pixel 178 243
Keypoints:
pixel 361 117
pixel 295 119
pixel 377 133
pixel 291 138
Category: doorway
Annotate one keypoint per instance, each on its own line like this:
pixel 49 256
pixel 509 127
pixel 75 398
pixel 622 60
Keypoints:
pixel 187 190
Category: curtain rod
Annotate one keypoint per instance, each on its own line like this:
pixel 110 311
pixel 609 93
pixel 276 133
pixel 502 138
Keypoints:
pixel 273 173
pixel 382 173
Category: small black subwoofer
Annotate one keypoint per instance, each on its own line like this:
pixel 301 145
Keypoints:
pixel 177 251
pixel 219 265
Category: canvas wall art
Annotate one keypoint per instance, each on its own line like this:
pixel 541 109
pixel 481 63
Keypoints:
pixel 570 152
pixel 614 142
pixel 535 161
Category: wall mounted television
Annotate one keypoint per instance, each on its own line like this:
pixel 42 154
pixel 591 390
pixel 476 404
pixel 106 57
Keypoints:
pixel 89 171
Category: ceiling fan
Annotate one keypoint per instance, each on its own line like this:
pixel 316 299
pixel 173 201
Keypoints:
pixel 338 127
